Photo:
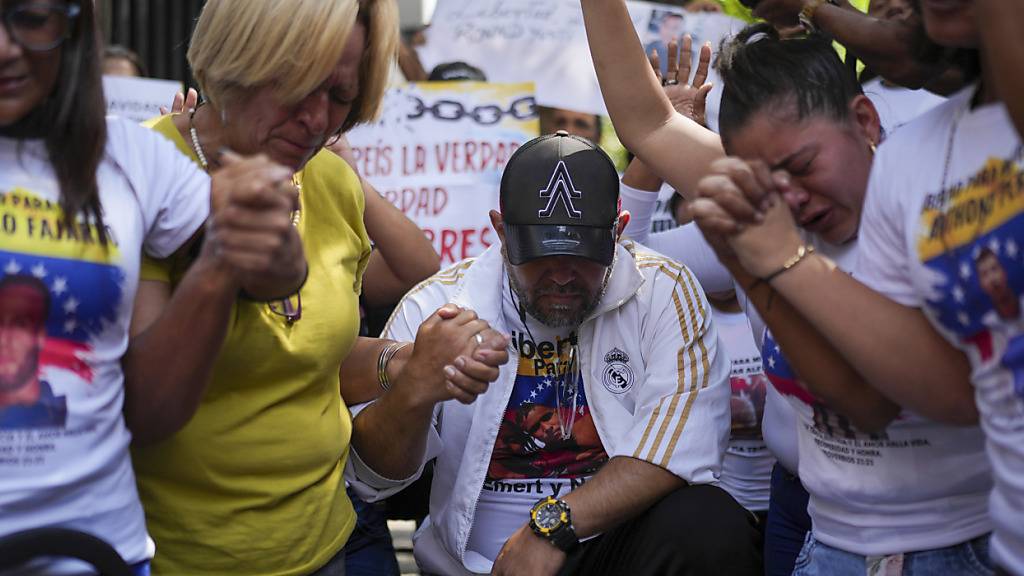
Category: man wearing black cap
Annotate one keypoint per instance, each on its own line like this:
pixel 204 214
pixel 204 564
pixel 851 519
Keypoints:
pixel 592 452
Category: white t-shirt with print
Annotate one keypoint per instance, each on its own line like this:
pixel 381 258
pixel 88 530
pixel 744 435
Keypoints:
pixel 916 486
pixel 64 458
pixel 943 230
pixel 747 467
pixel 531 458
pixel 686 244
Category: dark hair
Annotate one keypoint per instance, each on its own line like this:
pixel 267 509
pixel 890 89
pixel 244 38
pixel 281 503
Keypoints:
pixel 760 70
pixel 456 71
pixel 72 122
pixel 118 52
pixel 14 280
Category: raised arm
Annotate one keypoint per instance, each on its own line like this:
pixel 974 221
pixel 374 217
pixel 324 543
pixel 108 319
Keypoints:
pixel 675 147
pixel 889 47
pixel 1001 22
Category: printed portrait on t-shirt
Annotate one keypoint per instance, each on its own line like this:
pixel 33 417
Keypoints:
pixel 26 401
pixel 972 238
pixel 749 389
pixel 825 420
pixel 56 293
pixel 547 430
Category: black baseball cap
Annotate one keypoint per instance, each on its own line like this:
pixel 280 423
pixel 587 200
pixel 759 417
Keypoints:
pixel 559 197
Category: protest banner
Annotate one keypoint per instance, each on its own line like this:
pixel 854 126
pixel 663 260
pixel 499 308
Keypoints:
pixel 438 154
pixel 544 41
pixel 138 99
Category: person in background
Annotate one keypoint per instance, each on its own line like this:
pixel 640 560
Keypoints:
pixel 669 28
pixel 120 61
pixel 456 71
pixel 84 198
pixel 1000 21
pixel 894 48
pixel 243 473
pixel 576 123
pixel 897 105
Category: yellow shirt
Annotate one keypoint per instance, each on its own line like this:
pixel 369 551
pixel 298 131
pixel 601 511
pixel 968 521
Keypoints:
pixel 253 484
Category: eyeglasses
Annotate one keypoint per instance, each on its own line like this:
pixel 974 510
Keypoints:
pixel 290 308
pixel 40 26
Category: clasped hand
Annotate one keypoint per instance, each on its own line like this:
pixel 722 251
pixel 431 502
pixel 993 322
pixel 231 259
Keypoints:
pixel 743 211
pixel 455 357
pixel 252 205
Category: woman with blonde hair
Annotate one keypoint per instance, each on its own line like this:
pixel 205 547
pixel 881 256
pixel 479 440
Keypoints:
pixel 244 474
pixel 84 197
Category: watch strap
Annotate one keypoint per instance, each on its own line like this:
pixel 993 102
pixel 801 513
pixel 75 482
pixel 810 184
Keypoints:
pixel 564 538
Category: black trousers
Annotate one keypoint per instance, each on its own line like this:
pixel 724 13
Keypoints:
pixel 694 531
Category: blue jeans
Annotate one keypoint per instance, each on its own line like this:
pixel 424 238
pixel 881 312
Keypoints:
pixel 787 525
pixel 369 550
pixel 966 559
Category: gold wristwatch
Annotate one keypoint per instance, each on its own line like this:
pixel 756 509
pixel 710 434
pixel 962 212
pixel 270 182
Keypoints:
pixel 806 16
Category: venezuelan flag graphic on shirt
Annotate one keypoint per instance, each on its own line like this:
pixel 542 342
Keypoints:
pixel 781 374
pixel 785 380
pixel 530 441
pixel 58 290
pixel 972 237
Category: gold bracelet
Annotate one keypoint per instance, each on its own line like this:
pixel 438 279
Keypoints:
pixel 802 252
pixel 384 359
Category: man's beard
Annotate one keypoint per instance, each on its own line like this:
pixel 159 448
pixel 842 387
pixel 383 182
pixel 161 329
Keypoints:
pixel 557 316
pixel 27 370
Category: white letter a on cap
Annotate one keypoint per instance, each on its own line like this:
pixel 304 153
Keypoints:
pixel 560 188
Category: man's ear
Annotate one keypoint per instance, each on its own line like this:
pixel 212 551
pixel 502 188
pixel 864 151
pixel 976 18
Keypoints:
pixel 499 225
pixel 621 224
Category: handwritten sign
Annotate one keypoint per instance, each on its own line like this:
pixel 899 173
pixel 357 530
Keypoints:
pixel 138 99
pixel 438 154
pixel 544 41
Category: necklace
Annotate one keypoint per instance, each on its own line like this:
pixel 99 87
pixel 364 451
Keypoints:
pixel 195 140
pixel 567 380
pixel 569 386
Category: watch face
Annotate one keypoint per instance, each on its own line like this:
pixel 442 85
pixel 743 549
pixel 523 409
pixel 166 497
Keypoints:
pixel 549 516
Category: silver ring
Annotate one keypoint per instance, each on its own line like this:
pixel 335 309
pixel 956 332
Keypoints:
pixel 671 82
pixel 479 339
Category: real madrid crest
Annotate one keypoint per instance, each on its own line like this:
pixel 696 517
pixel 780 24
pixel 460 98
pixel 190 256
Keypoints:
pixel 618 376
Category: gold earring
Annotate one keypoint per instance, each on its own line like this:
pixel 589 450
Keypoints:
pixel 872 146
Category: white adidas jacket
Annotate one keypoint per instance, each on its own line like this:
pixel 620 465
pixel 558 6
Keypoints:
pixel 656 381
